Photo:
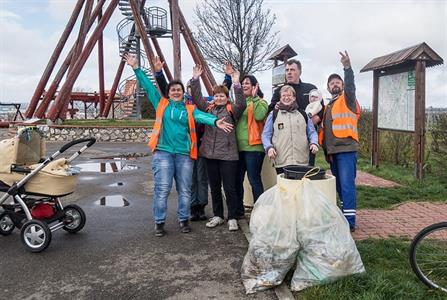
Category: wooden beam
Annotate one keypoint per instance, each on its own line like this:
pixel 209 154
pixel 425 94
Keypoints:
pixel 175 15
pixel 102 97
pixel 53 59
pixel 207 76
pixel 62 98
pixel 375 132
pixel 419 115
pixel 41 109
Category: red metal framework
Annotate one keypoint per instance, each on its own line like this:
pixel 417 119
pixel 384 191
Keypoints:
pixel 54 105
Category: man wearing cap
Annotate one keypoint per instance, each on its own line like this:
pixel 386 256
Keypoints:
pixel 302 89
pixel 339 136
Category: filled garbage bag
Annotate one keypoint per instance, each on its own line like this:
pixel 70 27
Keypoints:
pixel 328 251
pixel 273 247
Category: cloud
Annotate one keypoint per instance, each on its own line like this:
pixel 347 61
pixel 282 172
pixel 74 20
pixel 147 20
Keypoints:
pixel 317 30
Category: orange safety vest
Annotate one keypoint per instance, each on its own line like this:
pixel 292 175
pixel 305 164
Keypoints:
pixel 153 141
pixel 254 127
pixel 344 121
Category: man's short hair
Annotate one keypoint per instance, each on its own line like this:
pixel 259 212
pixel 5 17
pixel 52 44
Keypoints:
pixel 294 61
pixel 287 88
pixel 221 89
pixel 334 76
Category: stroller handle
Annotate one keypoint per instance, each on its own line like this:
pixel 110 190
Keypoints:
pixel 90 141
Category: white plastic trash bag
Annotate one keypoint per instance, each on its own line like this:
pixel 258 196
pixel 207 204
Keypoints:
pixel 273 247
pixel 328 251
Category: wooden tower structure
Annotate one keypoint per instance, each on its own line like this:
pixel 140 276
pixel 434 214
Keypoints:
pixel 143 24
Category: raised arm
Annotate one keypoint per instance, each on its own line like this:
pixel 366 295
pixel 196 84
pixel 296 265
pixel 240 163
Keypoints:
pixel 152 93
pixel 159 76
pixel 349 87
pixel 196 92
pixel 228 70
pixel 240 103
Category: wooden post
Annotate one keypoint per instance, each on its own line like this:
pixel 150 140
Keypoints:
pixel 40 112
pixel 176 39
pixel 143 35
pixel 375 130
pixel 207 76
pixel 53 59
pixel 62 98
pixel 101 68
pixel 419 115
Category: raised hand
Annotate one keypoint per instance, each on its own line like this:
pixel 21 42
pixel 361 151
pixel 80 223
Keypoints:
pixel 131 60
pixel 235 76
pixel 272 153
pixel 158 64
pixel 346 62
pixel 254 90
pixel 228 68
pixel 313 148
pixel 197 70
pixel 225 126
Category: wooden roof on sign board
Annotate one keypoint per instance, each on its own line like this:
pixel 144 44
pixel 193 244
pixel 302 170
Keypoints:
pixel 285 51
pixel 419 52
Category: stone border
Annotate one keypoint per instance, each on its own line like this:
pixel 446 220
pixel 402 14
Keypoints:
pixel 101 133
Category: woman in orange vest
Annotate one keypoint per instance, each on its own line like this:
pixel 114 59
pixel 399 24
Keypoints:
pixel 174 146
pixel 248 132
pixel 220 148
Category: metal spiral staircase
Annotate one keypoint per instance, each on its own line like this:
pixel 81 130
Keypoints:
pixel 155 20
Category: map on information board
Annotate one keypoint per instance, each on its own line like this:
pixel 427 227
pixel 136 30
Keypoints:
pixel 396 101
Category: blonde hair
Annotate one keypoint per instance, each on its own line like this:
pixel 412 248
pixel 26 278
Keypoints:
pixel 287 88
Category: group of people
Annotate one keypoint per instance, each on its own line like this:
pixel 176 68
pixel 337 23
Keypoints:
pixel 214 141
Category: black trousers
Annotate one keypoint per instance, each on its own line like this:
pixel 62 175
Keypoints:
pixel 223 172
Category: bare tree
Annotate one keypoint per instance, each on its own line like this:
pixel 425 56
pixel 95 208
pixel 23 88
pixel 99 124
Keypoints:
pixel 237 31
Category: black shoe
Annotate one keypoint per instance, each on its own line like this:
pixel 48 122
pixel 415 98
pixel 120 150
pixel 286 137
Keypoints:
pixel 159 229
pixel 202 216
pixel 184 227
pixel 195 213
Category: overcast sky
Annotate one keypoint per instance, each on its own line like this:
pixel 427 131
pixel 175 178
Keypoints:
pixel 317 30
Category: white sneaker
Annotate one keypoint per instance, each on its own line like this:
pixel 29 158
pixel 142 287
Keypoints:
pixel 232 225
pixel 214 221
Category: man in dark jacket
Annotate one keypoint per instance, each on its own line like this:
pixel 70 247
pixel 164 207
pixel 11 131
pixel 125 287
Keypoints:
pixel 302 89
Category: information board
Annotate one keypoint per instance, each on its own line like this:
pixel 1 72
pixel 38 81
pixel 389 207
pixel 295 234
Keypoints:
pixel 396 101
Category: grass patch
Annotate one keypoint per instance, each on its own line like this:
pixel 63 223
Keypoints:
pixel 388 276
pixel 109 122
pixel 432 188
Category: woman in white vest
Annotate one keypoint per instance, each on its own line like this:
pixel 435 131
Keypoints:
pixel 288 133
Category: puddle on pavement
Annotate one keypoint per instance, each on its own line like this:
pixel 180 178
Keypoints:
pixel 107 167
pixel 87 178
pixel 117 184
pixel 113 201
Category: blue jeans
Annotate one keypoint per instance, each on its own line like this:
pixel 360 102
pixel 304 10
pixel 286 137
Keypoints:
pixel 344 168
pixel 250 162
pixel 166 167
pixel 199 196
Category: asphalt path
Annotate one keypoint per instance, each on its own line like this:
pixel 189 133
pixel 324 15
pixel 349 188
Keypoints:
pixel 116 255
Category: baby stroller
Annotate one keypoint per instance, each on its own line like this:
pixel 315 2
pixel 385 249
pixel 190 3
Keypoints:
pixel 34 185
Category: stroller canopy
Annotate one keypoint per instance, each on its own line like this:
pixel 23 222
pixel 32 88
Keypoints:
pixel 26 148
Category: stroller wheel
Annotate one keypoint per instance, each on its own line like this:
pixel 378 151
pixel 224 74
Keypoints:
pixel 36 235
pixel 6 224
pixel 75 218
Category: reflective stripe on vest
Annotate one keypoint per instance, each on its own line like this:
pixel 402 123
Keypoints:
pixel 254 127
pixel 153 141
pixel 344 121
